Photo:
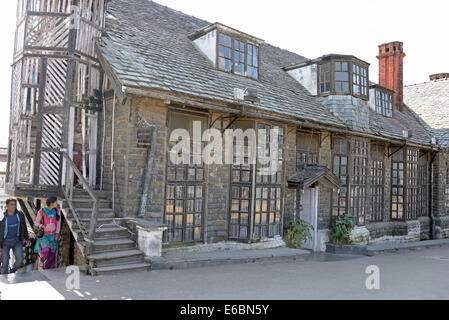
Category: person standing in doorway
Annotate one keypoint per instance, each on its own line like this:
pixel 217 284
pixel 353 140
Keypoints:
pixel 13 234
pixel 49 220
pixel 78 151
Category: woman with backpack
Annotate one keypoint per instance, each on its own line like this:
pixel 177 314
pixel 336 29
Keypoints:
pixel 48 225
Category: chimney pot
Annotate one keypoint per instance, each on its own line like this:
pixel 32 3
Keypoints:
pixel 439 76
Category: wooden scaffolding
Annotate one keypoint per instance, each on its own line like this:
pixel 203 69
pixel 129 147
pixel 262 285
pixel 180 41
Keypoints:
pixel 55 75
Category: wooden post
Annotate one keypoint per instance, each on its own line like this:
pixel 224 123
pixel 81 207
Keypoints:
pixel 40 116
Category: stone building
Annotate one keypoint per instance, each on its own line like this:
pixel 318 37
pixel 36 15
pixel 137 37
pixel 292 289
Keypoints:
pixel 429 101
pixel 354 147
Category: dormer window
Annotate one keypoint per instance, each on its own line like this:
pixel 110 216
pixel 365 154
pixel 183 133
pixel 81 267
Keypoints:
pixel 384 103
pixel 343 76
pixel 238 56
pixel 229 50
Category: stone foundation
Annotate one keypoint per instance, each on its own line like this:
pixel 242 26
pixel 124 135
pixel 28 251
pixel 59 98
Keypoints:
pixel 276 242
pixel 384 232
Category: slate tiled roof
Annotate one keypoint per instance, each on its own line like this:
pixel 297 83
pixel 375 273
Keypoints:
pixel 430 101
pixel 394 127
pixel 147 46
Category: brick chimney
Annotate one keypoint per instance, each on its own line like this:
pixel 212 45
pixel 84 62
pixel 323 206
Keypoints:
pixel 439 76
pixel 391 57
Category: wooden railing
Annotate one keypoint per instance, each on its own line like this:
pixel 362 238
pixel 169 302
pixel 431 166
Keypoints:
pixel 67 188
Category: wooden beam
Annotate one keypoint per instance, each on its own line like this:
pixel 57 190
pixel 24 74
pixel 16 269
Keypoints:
pixel 40 117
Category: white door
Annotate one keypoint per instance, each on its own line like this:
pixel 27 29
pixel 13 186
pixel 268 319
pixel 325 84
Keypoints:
pixel 309 214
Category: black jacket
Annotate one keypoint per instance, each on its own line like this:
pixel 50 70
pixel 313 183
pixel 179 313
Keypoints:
pixel 23 232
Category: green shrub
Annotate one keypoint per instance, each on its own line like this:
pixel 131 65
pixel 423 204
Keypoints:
pixel 298 233
pixel 341 230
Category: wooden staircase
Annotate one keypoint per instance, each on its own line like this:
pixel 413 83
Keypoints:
pixel 112 249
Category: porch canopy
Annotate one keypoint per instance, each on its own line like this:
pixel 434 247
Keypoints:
pixel 308 175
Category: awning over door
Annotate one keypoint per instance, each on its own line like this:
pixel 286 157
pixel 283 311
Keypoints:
pixel 308 175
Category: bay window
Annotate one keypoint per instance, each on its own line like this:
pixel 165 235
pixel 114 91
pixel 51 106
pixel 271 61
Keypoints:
pixel 343 75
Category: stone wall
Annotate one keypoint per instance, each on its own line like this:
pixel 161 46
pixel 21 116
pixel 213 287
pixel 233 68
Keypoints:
pixel 131 158
pixel 440 210
pixel 218 179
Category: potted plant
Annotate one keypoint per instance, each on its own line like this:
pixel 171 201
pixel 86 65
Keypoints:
pixel 340 237
pixel 298 233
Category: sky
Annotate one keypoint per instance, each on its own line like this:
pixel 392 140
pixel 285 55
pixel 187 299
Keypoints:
pixel 309 28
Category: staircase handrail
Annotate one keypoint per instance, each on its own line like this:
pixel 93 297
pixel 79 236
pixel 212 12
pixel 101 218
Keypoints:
pixel 68 194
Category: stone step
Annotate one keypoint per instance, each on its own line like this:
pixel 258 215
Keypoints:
pixel 102 212
pixel 111 233
pixel 80 193
pixel 86 222
pixel 121 268
pixel 114 255
pixel 115 258
pixel 112 245
pixel 118 261
pixel 88 203
pixel 86 214
pixel 108 233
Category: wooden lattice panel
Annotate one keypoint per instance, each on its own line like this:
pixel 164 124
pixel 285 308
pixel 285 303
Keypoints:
pixel 55 83
pixel 52 131
pixel 49 168
pixel 49 32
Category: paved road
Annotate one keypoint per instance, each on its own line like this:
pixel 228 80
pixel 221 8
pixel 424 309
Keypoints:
pixel 418 274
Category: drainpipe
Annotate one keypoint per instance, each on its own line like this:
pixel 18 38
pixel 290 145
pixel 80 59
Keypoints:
pixel 103 138
pixel 432 216
pixel 112 154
